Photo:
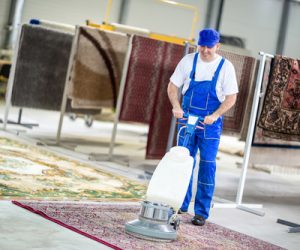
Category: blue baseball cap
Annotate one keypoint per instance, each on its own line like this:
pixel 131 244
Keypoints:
pixel 208 37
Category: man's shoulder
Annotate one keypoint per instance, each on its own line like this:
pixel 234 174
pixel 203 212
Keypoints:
pixel 228 63
pixel 188 58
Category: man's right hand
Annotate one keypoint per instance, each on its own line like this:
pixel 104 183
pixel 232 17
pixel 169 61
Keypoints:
pixel 177 112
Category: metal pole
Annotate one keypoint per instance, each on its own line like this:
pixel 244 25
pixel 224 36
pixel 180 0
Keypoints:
pixel 123 13
pixel 283 27
pixel 219 17
pixel 173 121
pixel 120 98
pixel 11 80
pixel 107 11
pixel 214 14
pixel 14 20
pixel 251 127
pixel 65 97
pixel 20 115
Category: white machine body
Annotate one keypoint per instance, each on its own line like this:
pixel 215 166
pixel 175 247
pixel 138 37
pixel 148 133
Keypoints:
pixel 171 178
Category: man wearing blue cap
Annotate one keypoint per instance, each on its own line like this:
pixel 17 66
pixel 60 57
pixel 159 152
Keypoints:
pixel 209 90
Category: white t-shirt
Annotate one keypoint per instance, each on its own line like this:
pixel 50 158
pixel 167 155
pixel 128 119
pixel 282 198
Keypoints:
pixel 226 84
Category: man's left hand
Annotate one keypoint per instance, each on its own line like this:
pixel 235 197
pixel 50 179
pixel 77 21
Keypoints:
pixel 210 119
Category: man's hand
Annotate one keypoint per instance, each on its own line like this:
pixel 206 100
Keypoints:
pixel 210 119
pixel 173 96
pixel 177 112
pixel 226 105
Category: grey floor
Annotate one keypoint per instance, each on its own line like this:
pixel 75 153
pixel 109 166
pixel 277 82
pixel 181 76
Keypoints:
pixel 278 193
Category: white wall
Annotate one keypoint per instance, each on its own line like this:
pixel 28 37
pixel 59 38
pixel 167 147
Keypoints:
pixel 166 18
pixel 257 21
pixel 292 41
pixel 69 11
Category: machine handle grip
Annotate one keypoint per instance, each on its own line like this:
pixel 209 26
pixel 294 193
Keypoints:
pixel 186 116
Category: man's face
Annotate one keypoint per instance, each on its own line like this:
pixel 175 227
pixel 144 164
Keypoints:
pixel 208 54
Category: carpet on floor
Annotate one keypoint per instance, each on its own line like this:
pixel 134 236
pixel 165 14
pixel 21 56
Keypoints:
pixel 27 171
pixel 104 222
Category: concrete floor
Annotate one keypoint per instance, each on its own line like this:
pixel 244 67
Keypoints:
pixel 279 194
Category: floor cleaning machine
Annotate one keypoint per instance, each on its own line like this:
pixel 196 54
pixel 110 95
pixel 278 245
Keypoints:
pixel 158 219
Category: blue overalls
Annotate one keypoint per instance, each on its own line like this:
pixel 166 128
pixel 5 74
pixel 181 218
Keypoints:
pixel 201 99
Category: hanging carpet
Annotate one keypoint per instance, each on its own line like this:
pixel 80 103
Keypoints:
pixel 29 172
pixel 104 222
pixel 161 117
pixel 144 74
pixel 41 68
pixel 97 68
pixel 261 136
pixel 238 116
pixel 280 116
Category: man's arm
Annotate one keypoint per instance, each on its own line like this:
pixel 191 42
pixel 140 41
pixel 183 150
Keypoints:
pixel 173 97
pixel 225 106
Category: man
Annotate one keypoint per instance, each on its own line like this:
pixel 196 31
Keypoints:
pixel 209 90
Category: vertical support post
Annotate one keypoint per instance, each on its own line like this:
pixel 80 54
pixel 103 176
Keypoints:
pixel 283 26
pixel 220 12
pixel 107 11
pixel 123 12
pixel 14 20
pixel 20 116
pixel 173 121
pixel 214 14
pixel 251 127
pixel 11 80
pixel 65 97
pixel 120 98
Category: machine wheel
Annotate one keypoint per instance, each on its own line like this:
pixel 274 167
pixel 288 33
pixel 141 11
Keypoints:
pixel 176 224
pixel 72 116
pixel 174 221
pixel 88 119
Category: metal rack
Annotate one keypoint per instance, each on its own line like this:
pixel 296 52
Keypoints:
pixel 239 196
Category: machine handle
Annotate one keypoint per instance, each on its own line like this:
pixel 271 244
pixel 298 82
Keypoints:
pixel 186 116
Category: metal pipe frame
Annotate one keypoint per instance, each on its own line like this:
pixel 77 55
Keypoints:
pixel 14 19
pixel 120 98
pixel 238 203
pixel 11 80
pixel 65 97
pixel 251 128
pixel 118 108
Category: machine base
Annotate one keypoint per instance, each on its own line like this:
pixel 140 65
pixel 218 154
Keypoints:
pixel 154 223
pixel 150 230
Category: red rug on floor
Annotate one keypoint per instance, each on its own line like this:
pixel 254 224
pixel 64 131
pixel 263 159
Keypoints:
pixel 104 222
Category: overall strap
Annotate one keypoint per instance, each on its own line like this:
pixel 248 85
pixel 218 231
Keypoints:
pixel 217 72
pixel 216 75
pixel 192 74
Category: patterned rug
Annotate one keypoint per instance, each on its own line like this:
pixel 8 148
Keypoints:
pixel 280 116
pixel 161 117
pixel 97 68
pixel 104 222
pixel 259 135
pixel 143 79
pixel 29 172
